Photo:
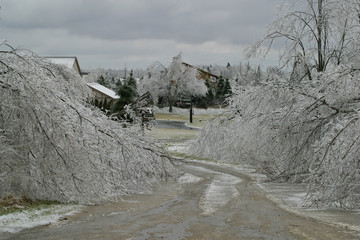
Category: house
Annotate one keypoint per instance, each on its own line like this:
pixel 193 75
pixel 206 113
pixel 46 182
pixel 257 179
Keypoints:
pixel 70 62
pixel 101 93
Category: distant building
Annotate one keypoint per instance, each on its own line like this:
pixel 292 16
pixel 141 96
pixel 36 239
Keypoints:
pixel 101 93
pixel 70 62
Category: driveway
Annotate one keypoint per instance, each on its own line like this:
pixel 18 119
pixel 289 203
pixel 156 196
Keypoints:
pixel 207 202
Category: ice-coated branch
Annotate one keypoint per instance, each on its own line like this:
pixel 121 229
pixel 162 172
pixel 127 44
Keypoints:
pixel 55 146
pixel 304 133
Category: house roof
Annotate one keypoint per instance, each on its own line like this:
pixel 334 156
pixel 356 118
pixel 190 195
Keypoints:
pixel 68 61
pixel 104 90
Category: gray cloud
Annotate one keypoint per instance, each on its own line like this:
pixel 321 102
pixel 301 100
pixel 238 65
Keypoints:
pixel 134 29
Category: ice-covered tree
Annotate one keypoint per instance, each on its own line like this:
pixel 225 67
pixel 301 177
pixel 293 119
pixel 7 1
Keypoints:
pixel 55 146
pixel 173 81
pixel 316 33
pixel 227 88
pixel 301 131
pixel 304 133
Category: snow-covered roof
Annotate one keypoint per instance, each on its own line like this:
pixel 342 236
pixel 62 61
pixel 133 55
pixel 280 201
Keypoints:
pixel 104 90
pixel 70 62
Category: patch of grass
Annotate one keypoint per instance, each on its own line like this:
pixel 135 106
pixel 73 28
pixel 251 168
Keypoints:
pixel 12 204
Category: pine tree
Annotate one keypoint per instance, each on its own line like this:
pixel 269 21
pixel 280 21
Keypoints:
pixel 118 84
pixel 131 81
pixel 101 80
pixel 126 97
pixel 127 93
pixel 209 95
pixel 220 87
pixel 227 88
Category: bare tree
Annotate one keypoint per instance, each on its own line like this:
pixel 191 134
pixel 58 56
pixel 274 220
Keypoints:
pixel 322 32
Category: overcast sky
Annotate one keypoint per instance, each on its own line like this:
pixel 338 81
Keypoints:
pixel 135 33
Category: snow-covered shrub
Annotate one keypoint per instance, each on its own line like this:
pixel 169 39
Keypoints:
pixel 304 133
pixel 55 146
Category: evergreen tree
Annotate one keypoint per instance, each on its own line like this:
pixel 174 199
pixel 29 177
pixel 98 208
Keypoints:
pixel 209 95
pixel 220 87
pixel 118 84
pixel 127 93
pixel 126 97
pixel 112 81
pixel 227 88
pixel 131 81
pixel 102 80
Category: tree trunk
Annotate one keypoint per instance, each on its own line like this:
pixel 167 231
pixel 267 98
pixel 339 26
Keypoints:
pixel 320 28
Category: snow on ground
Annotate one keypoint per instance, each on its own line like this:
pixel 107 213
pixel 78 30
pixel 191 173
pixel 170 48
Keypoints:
pixel 18 221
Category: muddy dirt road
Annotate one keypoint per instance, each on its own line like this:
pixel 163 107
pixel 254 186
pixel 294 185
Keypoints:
pixel 208 202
